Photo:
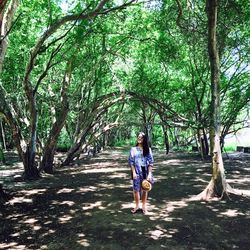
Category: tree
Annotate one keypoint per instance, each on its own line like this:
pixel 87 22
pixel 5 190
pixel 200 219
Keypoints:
pixel 6 18
pixel 46 42
pixel 218 186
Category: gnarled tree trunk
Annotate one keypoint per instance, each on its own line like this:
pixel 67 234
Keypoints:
pixel 217 187
pixel 100 107
pixel 49 150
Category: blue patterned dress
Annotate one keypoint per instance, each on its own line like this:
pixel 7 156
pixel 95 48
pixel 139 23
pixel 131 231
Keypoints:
pixel 141 164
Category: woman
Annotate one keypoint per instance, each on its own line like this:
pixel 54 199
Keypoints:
pixel 141 163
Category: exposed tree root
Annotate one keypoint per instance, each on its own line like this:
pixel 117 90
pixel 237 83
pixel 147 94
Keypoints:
pixel 209 194
pixel 241 192
pixel 206 194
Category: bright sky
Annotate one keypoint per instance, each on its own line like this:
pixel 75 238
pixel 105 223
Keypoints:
pixel 66 4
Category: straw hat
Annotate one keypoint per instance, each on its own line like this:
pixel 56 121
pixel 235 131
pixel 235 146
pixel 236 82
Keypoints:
pixel 146 185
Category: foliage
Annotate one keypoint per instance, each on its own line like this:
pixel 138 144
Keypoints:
pixel 147 49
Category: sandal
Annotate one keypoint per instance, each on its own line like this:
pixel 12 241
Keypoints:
pixel 135 210
pixel 144 211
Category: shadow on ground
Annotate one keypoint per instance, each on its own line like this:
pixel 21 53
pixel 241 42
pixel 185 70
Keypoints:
pixel 87 206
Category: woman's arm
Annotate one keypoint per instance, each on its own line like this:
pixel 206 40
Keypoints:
pixel 134 175
pixel 150 164
pixel 131 162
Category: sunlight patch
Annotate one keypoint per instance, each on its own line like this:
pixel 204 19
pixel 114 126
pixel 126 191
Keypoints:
pixel 12 171
pixel 34 191
pixel 127 205
pixel 36 228
pixel 122 186
pixel 241 180
pixel 160 232
pixel 103 170
pixel 231 213
pixel 15 234
pixel 14 216
pixel 168 219
pixel 106 185
pixel 12 245
pixel 70 203
pixel 47 222
pixel 83 242
pixel 156 234
pixel 30 221
pixel 20 200
pixel 198 179
pixel 86 189
pixel 65 190
pixel 91 206
pixel 65 219
pixel 172 162
pixel 170 207
pixel 118 175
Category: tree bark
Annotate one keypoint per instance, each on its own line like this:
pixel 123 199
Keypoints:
pixel 100 107
pixel 6 17
pixel 3 135
pixel 30 168
pixel 217 186
pixel 205 141
pixel 28 152
pixel 49 150
pixel 217 162
pixel 166 140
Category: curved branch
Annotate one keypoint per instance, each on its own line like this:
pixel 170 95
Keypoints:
pixel 53 28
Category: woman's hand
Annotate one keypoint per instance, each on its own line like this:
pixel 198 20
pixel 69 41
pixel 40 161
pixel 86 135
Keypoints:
pixel 134 175
pixel 149 177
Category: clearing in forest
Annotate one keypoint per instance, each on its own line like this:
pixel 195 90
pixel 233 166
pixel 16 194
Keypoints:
pixel 87 206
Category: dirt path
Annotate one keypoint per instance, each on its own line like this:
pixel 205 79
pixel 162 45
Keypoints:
pixel 87 206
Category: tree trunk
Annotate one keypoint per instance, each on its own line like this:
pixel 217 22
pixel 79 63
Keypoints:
pixel 2 158
pixel 30 167
pixel 2 144
pixel 148 128
pixel 28 158
pixel 25 152
pixel 206 145
pixel 99 108
pixel 6 17
pixel 217 186
pixel 176 137
pixel 200 142
pixel 4 197
pixel 166 140
pixel 3 135
pixel 74 149
pixel 49 151
pixel 203 141
pixel 217 162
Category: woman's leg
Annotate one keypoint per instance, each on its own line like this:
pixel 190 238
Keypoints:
pixel 136 194
pixel 144 201
pixel 136 199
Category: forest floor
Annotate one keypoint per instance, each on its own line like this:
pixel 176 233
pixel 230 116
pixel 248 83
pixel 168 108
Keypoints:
pixel 87 206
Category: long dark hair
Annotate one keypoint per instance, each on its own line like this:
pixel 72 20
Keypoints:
pixel 145 145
